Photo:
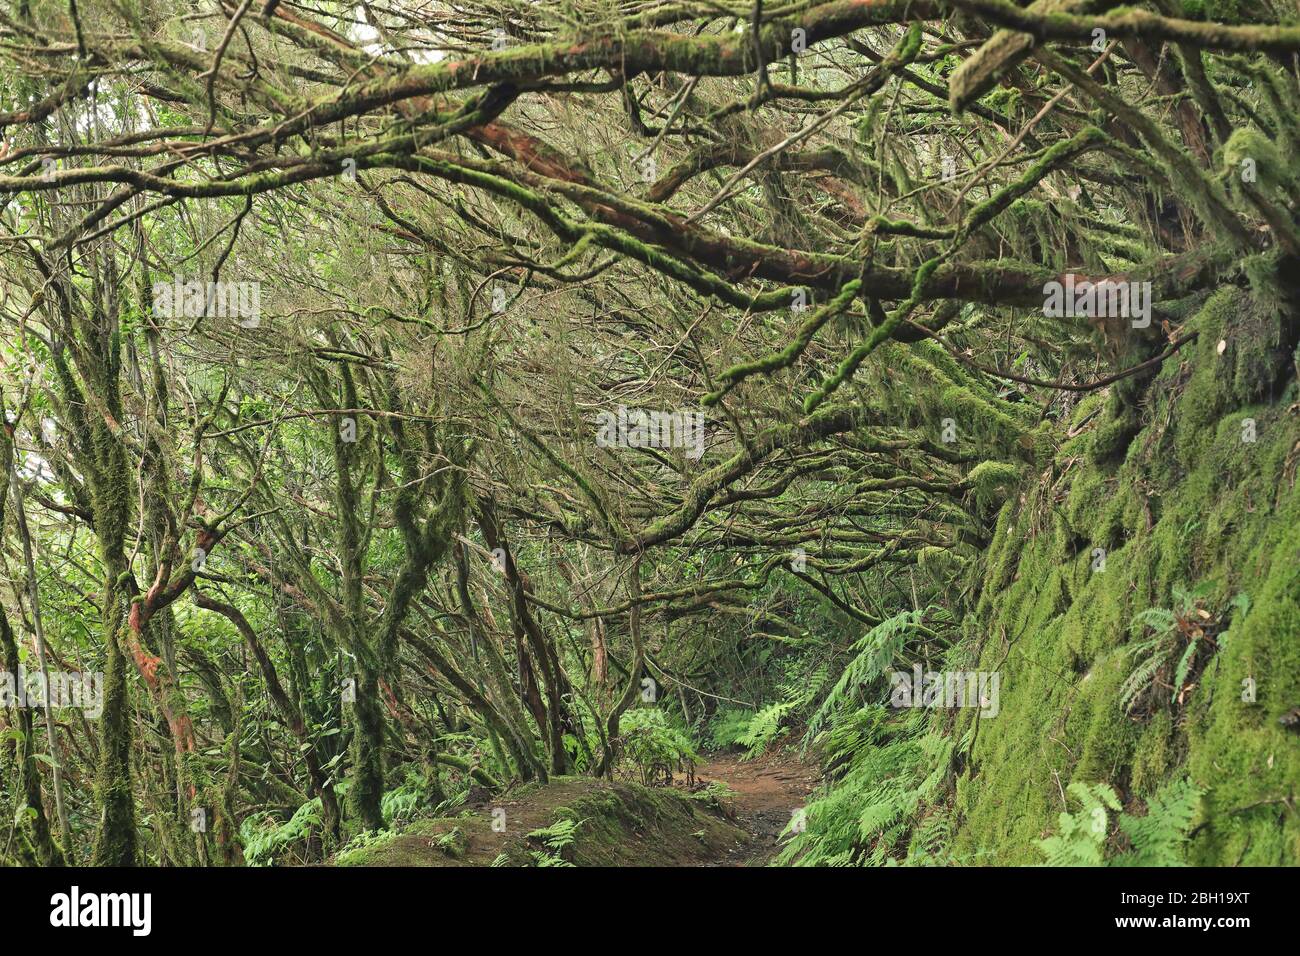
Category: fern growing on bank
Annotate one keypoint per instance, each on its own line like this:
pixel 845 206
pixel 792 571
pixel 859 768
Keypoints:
pixel 555 839
pixel 764 728
pixel 1083 834
pixel 1186 632
pixel 728 725
pixel 1160 837
pixel 802 683
pixel 890 767
pixel 1157 839
pixel 875 653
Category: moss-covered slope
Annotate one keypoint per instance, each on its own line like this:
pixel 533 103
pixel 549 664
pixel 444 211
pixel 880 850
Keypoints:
pixel 577 821
pixel 1187 484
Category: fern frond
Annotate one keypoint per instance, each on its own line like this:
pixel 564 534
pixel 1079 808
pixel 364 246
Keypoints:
pixel 875 653
pixel 1159 837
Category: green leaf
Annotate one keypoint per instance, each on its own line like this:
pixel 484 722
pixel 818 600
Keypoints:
pixel 1184 665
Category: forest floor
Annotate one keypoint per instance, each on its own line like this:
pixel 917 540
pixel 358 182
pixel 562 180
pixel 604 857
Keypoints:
pixel 620 823
pixel 767 792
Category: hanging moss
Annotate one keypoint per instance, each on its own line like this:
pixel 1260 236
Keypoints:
pixel 1249 149
pixel 990 480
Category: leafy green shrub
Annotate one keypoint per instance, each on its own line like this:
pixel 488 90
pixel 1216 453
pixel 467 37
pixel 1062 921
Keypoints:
pixel 726 728
pixel 266 843
pixel 656 747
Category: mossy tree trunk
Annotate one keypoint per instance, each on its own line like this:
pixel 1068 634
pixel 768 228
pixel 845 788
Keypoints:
pixel 45 849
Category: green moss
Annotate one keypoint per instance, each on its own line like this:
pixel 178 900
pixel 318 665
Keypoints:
pixel 1004 100
pixel 452 843
pixel 367 849
pixel 620 824
pixel 1114 434
pixel 1176 498
pixel 1238 747
pixel 1154 756
pixel 989 480
pixel 1250 146
pixel 1088 492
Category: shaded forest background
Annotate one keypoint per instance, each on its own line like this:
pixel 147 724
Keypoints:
pixel 315 317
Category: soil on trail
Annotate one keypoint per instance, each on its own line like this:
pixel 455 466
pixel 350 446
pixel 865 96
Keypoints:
pixel 767 792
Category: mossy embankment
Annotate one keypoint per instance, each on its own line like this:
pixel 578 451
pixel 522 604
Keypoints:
pixel 1178 493
pixel 577 821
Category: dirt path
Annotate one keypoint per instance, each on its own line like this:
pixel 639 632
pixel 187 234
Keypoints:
pixel 768 789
